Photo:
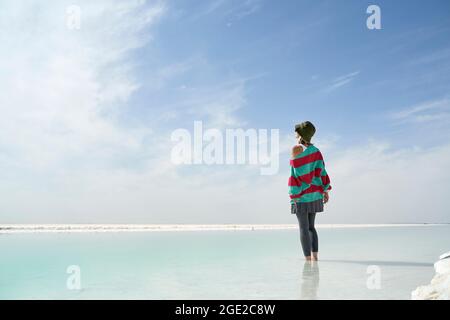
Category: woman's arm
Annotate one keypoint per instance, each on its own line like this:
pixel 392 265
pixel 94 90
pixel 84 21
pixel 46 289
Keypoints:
pixel 296 150
pixel 326 185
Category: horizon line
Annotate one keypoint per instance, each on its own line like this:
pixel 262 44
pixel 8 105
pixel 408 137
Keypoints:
pixel 117 227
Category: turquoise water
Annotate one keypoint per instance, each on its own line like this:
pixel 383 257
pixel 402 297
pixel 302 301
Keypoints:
pixel 220 264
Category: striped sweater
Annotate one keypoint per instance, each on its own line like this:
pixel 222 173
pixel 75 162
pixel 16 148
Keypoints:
pixel 309 179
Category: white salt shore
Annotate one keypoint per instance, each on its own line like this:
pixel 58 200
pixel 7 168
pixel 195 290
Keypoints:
pixel 40 228
pixel 439 288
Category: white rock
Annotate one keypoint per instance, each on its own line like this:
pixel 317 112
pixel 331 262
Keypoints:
pixel 422 292
pixel 439 287
pixel 445 255
pixel 442 266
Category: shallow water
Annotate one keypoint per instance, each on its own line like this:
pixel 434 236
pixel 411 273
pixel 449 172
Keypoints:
pixel 356 263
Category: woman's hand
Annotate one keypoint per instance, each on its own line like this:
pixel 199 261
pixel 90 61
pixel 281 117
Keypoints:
pixel 326 197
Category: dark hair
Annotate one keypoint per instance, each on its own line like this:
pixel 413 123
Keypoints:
pixel 304 142
pixel 306 131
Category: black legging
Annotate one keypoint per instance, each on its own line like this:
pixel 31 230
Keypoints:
pixel 308 234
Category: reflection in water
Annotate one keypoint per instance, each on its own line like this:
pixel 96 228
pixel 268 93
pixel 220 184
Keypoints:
pixel 310 280
pixel 385 263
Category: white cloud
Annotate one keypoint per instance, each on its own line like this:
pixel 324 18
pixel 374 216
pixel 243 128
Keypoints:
pixel 437 56
pixel 435 110
pixel 381 183
pixel 165 74
pixel 231 9
pixel 216 104
pixel 246 8
pixel 64 148
pixel 63 90
pixel 342 81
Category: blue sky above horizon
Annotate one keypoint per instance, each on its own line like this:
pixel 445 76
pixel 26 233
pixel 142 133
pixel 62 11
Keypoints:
pixel 87 114
pixel 307 60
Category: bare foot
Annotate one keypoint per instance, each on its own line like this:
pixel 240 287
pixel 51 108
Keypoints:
pixel 308 258
pixel 315 256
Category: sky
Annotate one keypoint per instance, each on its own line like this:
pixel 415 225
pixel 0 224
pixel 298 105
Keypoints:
pixel 93 90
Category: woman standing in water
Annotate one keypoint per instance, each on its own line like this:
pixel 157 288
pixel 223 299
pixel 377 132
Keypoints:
pixel 308 187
